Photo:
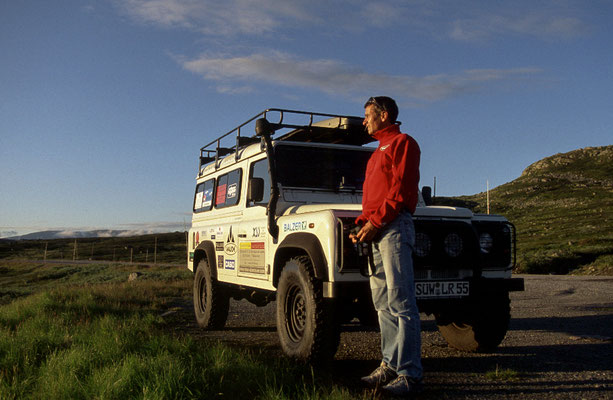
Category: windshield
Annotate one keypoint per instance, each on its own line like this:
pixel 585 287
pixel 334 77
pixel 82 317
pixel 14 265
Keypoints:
pixel 321 167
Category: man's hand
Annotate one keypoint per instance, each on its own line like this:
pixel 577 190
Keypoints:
pixel 366 234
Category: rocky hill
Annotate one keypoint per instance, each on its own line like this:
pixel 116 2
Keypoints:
pixel 562 207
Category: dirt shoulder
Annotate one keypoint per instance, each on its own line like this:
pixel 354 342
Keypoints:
pixel 559 345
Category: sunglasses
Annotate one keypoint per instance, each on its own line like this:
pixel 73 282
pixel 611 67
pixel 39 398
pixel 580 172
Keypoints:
pixel 375 102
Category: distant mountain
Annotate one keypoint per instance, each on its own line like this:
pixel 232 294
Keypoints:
pixel 70 234
pixel 562 207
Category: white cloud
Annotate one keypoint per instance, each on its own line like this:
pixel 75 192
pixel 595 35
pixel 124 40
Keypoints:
pixel 132 229
pixel 337 78
pixel 383 14
pixel 216 18
pixel 168 13
pixel 546 25
pixel 462 21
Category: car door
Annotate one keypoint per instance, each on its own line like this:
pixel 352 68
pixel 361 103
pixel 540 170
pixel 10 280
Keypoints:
pixel 253 235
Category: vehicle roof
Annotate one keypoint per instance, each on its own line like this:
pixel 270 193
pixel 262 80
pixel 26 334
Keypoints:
pixel 290 125
pixel 255 149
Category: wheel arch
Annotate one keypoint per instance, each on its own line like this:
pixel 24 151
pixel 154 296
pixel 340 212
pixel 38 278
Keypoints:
pixel 298 244
pixel 205 250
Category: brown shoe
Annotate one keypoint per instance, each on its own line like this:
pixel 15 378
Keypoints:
pixel 404 386
pixel 380 376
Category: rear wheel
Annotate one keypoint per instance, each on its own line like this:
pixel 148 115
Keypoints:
pixel 305 321
pixel 211 302
pixel 480 326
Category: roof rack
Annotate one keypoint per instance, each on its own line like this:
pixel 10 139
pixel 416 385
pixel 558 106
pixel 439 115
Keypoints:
pixel 328 128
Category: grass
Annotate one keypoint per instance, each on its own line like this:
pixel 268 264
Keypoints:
pixel 93 334
pixel 23 278
pixel 503 375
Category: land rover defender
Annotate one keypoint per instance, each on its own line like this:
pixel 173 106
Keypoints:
pixel 272 213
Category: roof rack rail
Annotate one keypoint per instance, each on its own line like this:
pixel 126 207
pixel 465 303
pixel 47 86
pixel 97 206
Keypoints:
pixel 329 128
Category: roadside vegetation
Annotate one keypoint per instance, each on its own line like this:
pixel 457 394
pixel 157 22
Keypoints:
pixel 503 374
pixel 158 248
pixel 83 332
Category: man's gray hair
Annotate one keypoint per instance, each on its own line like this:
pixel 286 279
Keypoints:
pixel 384 103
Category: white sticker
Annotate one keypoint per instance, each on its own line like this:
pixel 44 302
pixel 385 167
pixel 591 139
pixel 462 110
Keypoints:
pixel 198 200
pixel 231 191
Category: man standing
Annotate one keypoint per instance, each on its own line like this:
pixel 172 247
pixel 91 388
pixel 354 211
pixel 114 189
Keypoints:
pixel 389 199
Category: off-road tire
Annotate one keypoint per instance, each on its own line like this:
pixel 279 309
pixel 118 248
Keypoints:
pixel 211 302
pixel 305 320
pixel 480 327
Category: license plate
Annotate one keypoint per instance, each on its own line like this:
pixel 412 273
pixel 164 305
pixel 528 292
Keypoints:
pixel 424 290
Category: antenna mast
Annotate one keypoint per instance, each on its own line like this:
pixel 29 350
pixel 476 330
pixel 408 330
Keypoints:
pixel 488 195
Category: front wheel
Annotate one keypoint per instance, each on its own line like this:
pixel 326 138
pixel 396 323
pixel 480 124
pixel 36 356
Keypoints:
pixel 211 302
pixel 305 321
pixel 480 326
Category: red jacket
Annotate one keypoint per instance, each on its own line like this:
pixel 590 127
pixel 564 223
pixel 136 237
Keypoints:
pixel 392 178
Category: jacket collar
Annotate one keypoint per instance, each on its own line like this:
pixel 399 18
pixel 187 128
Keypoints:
pixel 382 134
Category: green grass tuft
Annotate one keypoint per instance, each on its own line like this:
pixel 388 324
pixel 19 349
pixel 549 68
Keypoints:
pixel 503 375
pixel 108 340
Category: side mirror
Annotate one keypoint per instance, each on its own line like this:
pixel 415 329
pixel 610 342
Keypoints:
pixel 426 193
pixel 255 192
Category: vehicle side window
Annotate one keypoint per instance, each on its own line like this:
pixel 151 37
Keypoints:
pixel 228 189
pixel 203 201
pixel 259 169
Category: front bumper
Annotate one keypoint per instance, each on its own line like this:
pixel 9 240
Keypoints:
pixel 478 286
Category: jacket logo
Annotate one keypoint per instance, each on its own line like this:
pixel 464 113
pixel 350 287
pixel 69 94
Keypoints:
pixel 384 147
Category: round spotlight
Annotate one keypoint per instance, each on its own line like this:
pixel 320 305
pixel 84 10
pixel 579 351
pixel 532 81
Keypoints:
pixel 423 244
pixel 453 245
pixel 486 242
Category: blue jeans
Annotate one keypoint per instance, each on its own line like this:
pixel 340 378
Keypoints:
pixel 393 294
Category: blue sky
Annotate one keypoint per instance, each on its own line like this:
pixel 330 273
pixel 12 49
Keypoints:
pixel 104 104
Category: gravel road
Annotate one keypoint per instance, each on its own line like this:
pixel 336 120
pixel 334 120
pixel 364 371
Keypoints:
pixel 559 345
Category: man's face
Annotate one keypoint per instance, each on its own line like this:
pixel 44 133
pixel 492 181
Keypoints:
pixel 373 121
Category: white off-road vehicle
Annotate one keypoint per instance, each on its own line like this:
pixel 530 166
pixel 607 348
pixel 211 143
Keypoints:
pixel 272 217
